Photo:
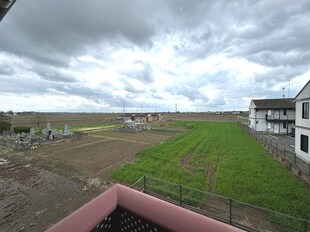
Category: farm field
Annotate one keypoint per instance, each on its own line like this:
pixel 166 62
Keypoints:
pixel 82 119
pixel 215 156
pixel 59 119
pixel 57 178
pixel 222 158
pixel 95 155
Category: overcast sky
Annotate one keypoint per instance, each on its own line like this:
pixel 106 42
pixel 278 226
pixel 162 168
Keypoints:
pixel 96 55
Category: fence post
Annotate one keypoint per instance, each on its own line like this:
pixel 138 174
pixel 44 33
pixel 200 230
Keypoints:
pixel 144 184
pixel 180 195
pixel 230 211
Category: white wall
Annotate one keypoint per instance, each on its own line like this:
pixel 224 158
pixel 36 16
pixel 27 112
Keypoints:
pixel 299 120
pixel 300 153
pixel 305 92
pixel 305 123
pixel 258 119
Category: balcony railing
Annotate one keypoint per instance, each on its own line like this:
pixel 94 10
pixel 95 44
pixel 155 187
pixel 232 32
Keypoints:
pixel 287 117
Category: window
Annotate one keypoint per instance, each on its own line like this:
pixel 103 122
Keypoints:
pixel 269 112
pixel 304 143
pixel 284 125
pixel 284 112
pixel 305 110
pixel 256 122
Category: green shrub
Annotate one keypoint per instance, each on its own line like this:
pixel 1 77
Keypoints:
pixel 190 126
pixel 5 126
pixel 21 129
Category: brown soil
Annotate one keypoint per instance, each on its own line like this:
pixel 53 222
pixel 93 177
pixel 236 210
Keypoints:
pixel 40 187
pixel 211 178
pixel 33 199
pixel 77 119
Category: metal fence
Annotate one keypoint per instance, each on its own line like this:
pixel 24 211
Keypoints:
pixel 230 211
pixel 287 155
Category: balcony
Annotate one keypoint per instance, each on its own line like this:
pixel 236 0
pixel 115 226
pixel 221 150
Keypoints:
pixel 280 117
pixel 123 209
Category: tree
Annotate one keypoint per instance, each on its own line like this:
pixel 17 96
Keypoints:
pixel 39 119
pixel 10 112
pixel 5 124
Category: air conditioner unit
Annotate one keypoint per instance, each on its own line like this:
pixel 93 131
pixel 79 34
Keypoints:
pixel 5 3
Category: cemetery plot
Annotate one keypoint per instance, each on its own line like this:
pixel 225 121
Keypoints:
pixel 33 137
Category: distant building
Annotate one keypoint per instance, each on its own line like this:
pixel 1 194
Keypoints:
pixel 272 115
pixel 302 127
pixel 146 117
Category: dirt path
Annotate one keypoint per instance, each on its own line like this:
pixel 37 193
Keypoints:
pixel 120 139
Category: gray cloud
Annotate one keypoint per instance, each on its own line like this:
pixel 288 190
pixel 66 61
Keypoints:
pixel 58 30
pixel 41 46
pixel 141 71
pixel 189 90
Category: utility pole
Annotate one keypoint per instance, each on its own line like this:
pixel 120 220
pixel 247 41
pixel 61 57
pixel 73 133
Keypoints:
pixel 289 88
pixel 124 111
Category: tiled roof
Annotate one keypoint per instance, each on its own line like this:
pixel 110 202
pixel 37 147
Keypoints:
pixel 141 115
pixel 280 103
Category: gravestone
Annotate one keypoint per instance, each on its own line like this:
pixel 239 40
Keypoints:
pixel 66 130
pixel 32 136
pixel 32 133
pixel 49 126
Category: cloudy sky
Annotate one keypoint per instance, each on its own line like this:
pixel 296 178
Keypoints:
pixel 97 55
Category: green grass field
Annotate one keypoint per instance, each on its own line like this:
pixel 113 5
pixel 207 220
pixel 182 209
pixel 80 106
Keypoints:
pixel 222 158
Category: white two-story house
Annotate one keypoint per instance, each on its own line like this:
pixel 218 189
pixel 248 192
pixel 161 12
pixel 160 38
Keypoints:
pixel 272 115
pixel 302 127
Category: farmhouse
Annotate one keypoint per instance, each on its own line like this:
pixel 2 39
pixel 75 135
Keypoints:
pixel 302 127
pixel 272 115
pixel 146 117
